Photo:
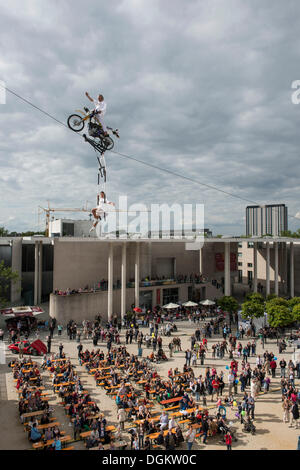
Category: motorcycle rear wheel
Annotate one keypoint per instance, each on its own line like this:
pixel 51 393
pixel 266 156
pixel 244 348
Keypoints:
pixel 107 143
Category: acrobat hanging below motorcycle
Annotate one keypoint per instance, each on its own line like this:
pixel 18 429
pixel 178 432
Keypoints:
pixel 101 141
pixel 100 211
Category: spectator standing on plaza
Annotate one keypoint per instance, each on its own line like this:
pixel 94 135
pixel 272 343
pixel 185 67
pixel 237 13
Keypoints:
pixel 294 414
pixel 228 440
pixel 21 349
pixel 121 417
pixel 190 437
pixel 49 344
pixel 273 366
pixel 188 357
pixel 282 365
pixel 61 347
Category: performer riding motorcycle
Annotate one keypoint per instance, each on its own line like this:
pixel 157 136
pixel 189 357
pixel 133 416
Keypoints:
pixel 100 110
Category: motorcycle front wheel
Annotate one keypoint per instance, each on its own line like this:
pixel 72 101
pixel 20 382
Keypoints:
pixel 75 122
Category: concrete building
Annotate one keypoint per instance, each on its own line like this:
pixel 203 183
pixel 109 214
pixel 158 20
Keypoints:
pixel 270 219
pixel 149 272
pixel 272 264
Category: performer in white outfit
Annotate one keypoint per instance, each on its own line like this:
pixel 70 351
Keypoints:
pixel 99 211
pixel 100 108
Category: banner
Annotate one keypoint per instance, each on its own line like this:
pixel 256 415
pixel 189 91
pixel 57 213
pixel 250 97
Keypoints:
pixel 220 261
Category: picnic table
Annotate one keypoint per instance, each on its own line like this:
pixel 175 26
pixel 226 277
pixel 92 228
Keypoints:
pixel 86 434
pixel 32 389
pixel 41 445
pixel 40 427
pixel 178 414
pixel 64 384
pixel 171 400
pixel 32 414
pixel 156 434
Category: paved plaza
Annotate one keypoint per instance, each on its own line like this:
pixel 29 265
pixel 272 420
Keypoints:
pixel 271 432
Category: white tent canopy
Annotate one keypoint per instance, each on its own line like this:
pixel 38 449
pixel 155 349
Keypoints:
pixel 207 302
pixel 169 306
pixel 190 304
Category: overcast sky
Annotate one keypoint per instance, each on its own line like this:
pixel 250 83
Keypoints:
pixel 200 87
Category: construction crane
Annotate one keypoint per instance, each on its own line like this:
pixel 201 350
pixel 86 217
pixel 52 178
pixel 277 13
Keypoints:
pixel 48 210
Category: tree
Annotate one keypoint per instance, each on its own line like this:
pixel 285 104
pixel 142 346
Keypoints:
pixel 253 309
pixel 7 276
pixel 294 301
pixel 271 296
pixel 278 301
pixel 228 304
pixel 288 233
pixel 296 313
pixel 255 297
pixel 3 232
pixel 279 315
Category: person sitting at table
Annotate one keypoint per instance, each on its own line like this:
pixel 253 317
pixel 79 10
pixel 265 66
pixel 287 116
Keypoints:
pixel 48 435
pixel 56 432
pixel 191 403
pixel 183 404
pixel 35 435
pixel 147 444
pixel 178 436
pixel 160 440
pixel 93 439
pixel 163 421
pixel 57 443
pixel 45 419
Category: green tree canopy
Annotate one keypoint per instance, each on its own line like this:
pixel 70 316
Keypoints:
pixel 6 277
pixel 255 297
pixel 271 296
pixel 294 301
pixel 228 304
pixel 279 315
pixel 253 309
pixel 277 301
pixel 296 313
pixel 3 232
pixel 288 233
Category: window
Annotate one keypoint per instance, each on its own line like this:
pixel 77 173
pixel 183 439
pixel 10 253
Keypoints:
pixel 48 257
pixel 250 245
pixel 67 229
pixel 240 276
pixel 240 254
pixel 250 276
pixel 170 295
pixel 28 255
pixel 240 263
pixel 240 244
pixel 250 265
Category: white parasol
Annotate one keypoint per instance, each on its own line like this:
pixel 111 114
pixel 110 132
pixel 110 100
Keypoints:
pixel 207 302
pixel 190 304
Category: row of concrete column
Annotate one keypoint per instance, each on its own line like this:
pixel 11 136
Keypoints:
pixel 227 280
pixel 276 287
pixel 38 272
pixel 123 279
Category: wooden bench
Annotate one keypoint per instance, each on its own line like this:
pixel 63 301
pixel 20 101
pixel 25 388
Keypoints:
pixel 176 407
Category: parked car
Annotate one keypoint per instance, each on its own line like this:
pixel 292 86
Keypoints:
pixel 37 348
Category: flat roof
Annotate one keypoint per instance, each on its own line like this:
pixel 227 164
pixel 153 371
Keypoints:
pixel 47 240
